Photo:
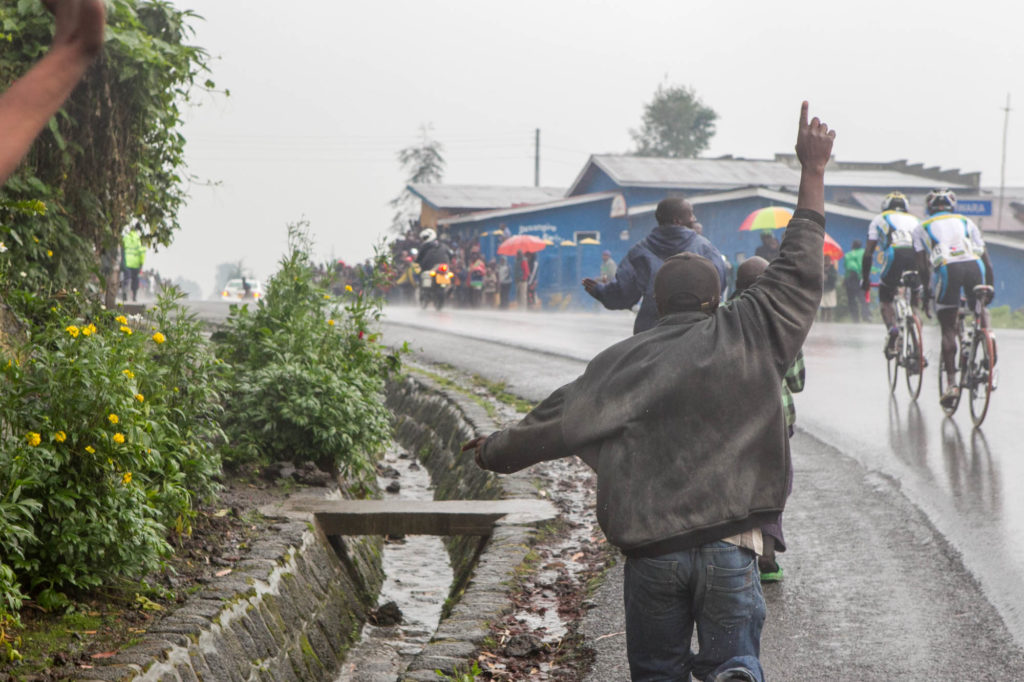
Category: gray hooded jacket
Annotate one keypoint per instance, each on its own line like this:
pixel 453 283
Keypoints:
pixel 684 423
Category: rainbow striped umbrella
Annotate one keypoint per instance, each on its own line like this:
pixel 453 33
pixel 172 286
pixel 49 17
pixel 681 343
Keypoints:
pixel 771 218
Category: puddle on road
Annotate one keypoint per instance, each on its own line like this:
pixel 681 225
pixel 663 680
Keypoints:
pixel 418 575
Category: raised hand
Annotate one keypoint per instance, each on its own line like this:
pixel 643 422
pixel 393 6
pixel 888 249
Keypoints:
pixel 590 285
pixel 79 24
pixel 813 142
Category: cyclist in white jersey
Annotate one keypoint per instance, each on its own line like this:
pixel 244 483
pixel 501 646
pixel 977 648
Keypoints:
pixel 898 234
pixel 956 251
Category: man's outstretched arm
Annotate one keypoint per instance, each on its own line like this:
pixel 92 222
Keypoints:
pixel 30 102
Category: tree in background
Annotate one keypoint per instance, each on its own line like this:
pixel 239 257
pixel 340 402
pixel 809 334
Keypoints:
pixel 112 155
pixel 676 124
pixel 423 162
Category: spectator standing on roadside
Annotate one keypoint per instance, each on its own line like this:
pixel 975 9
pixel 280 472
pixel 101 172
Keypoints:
pixel 769 248
pixel 522 275
pixel 634 278
pixel 608 267
pixel 851 282
pixel 491 285
pixel 504 281
pixel 828 296
pixel 684 426
pixel 133 256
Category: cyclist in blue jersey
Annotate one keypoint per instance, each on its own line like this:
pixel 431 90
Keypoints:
pixel 957 253
pixel 898 235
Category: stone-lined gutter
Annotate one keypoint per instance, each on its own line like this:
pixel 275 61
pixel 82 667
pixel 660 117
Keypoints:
pixel 289 611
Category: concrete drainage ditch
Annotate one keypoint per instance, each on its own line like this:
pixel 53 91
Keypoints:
pixel 296 605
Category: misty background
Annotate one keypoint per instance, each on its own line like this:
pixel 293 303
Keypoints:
pixel 324 94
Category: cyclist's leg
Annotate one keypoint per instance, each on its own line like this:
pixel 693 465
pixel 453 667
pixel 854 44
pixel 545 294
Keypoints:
pixel 947 301
pixel 887 285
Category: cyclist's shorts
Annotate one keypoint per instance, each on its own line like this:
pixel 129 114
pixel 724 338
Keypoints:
pixel 896 262
pixel 954 277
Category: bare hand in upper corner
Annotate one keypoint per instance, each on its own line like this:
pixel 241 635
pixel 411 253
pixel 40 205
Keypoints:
pixel 813 142
pixel 591 286
pixel 79 24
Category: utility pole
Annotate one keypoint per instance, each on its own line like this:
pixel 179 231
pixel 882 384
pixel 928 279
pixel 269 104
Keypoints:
pixel 1002 172
pixel 536 157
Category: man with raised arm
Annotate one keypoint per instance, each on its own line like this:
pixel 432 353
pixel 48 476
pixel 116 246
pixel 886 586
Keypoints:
pixel 30 102
pixel 684 425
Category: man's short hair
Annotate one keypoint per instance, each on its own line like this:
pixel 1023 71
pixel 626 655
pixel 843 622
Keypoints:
pixel 687 282
pixel 674 211
pixel 857 244
pixel 748 271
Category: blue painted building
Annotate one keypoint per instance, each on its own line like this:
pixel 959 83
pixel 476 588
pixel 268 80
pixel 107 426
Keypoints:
pixel 610 206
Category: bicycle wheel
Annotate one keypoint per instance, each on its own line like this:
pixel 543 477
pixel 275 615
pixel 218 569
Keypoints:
pixel 943 385
pixel 980 377
pixel 913 358
pixel 892 364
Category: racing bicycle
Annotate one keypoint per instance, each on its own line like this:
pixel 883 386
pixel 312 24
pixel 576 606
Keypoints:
pixel 976 356
pixel 908 352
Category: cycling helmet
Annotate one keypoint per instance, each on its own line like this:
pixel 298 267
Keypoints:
pixel 428 235
pixel 940 200
pixel 895 201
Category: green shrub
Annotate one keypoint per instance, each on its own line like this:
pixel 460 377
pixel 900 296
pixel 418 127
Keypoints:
pixel 105 436
pixel 307 373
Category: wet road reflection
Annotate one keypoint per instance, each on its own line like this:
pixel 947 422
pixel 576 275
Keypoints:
pixel 965 479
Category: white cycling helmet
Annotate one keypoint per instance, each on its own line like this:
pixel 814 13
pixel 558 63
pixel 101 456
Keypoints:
pixel 895 201
pixel 940 200
pixel 428 235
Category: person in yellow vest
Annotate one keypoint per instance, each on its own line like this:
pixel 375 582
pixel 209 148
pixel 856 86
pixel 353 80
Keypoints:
pixel 133 256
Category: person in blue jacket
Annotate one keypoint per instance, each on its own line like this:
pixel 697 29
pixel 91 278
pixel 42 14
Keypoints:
pixel 634 278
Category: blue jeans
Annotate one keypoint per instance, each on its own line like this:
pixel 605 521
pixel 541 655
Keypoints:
pixel 715 587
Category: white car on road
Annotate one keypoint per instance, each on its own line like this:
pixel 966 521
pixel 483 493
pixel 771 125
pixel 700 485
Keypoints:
pixel 234 291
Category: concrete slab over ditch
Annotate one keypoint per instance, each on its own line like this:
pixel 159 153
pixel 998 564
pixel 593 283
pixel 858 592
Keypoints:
pixel 295 604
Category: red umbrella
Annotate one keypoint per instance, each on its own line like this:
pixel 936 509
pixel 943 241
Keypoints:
pixel 832 249
pixel 526 243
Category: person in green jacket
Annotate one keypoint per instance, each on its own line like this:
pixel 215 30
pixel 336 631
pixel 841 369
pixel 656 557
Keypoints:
pixel 133 256
pixel 851 281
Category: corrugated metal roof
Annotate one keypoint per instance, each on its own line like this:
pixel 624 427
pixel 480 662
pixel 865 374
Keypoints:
pixel 501 213
pixel 883 179
pixel 482 197
pixel 711 173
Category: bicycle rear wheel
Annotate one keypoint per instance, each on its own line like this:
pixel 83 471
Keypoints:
pixel 913 366
pixel 943 385
pixel 980 374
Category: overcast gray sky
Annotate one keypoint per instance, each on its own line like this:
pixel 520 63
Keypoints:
pixel 323 95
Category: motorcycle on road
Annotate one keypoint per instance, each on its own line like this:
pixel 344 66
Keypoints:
pixel 435 285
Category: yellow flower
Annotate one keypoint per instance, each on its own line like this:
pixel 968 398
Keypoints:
pixel 330 322
pixel 128 373
pixel 159 338
pixel 327 296
pixel 126 478
pixel 72 329
pixel 348 287
pixel 49 253
pixel 60 436
pixel 90 449
pixel 122 319
pixel 33 438
pixel 113 418
pixel 89 330
pixel 35 239
pixel 126 330
pixel 140 397
pixel 118 437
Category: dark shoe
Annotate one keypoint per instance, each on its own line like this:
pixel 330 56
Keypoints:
pixel 950 397
pixel 891 343
pixel 735 675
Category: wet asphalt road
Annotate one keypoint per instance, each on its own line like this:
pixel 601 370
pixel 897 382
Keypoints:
pixel 906 557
